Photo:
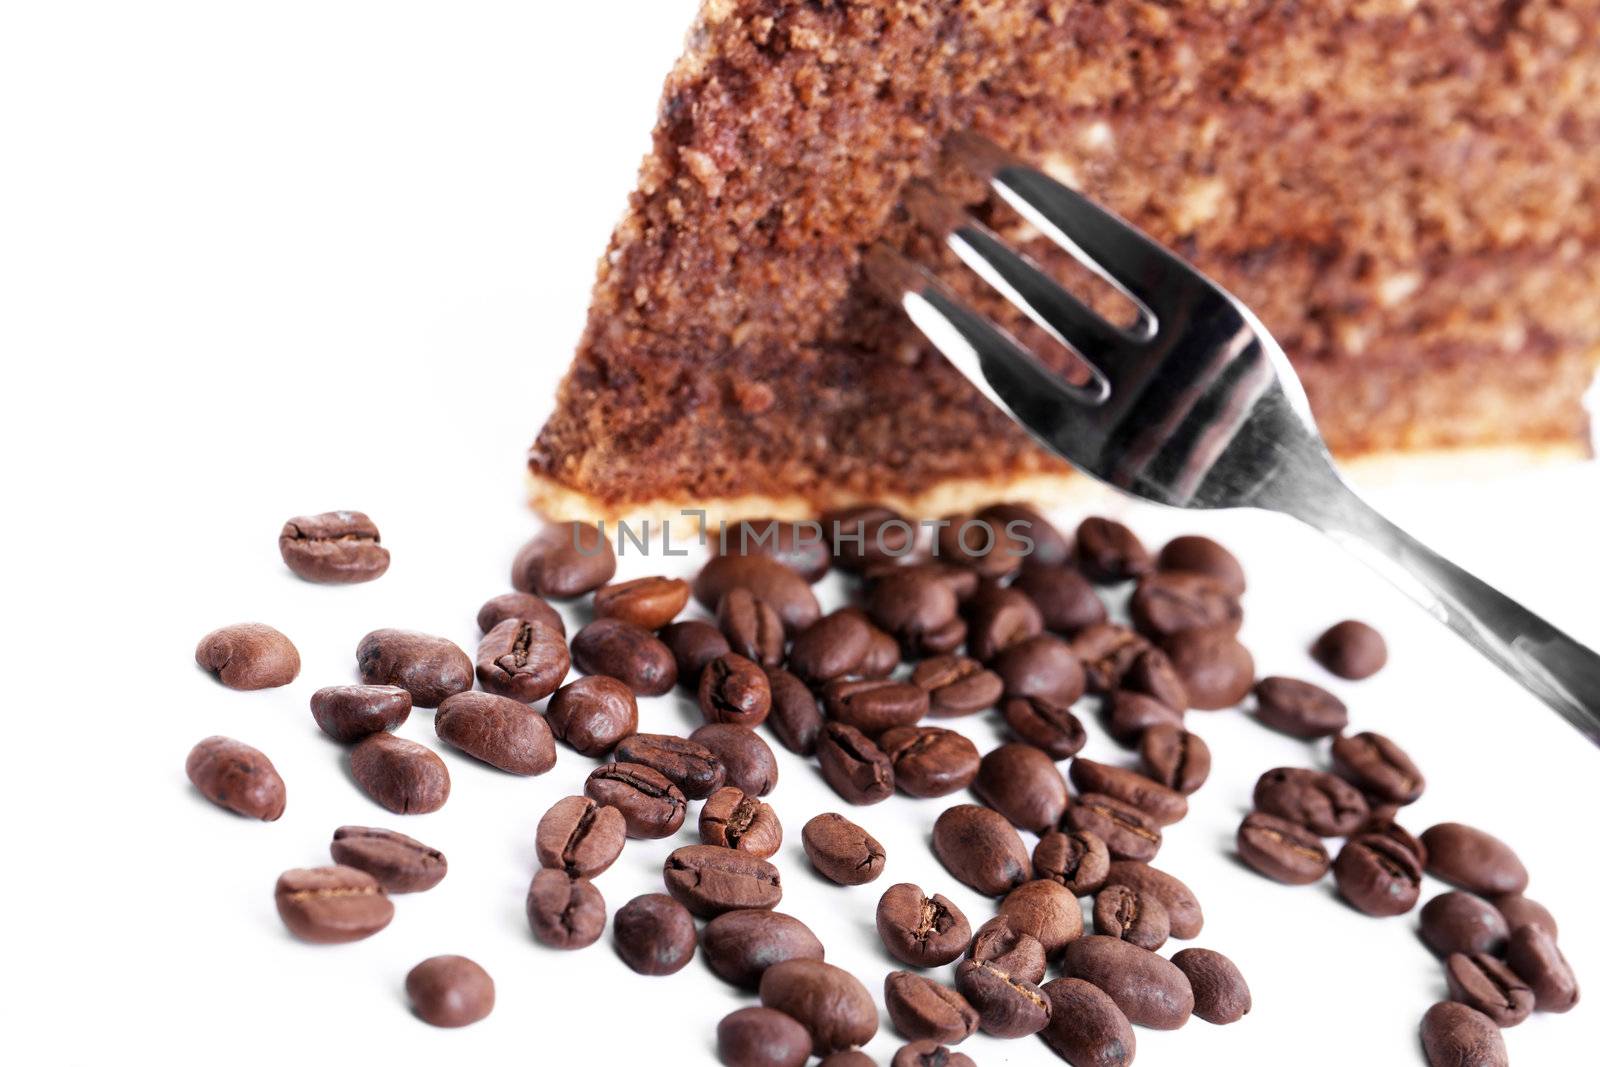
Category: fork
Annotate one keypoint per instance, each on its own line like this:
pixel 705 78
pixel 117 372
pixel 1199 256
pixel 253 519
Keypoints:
pixel 1192 405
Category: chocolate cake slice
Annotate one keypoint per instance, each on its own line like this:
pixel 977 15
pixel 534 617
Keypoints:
pixel 1406 191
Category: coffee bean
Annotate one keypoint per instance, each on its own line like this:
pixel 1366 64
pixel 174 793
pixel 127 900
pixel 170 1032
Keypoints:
pixel 401 864
pixel 1454 1035
pixel 1533 954
pixel 1106 551
pixel 929 761
pixel 248 655
pixel 868 534
pixel 731 818
pixel 795 717
pixel 1086 1027
pixel 565 560
pixel 1150 991
pixel 1217 671
pixel 1135 917
pixel 919 930
pixel 857 769
pixel 654 934
pixel 1281 849
pixel 1201 555
pixel 883 654
pixel 1040 666
pixel 693 644
pixel 498 609
pixel 1470 859
pixel 803 546
pixel 1483 982
pixel 1131 714
pixel 692 767
pixel 981 849
pixel 1520 911
pixel 1153 674
pixel 1169 602
pixel 648 603
pixel 734 689
pixel 403 776
pixel 1183 907
pixel 564 911
pixel 957 685
pixel 450 991
pixel 761 1037
pixel 623 651
pixel 1079 860
pixel 331 905
pixel 1023 784
pixel 1221 995
pixel 1351 650
pixel 835 1008
pixel 1107 651
pixel 1007 1005
pixel 1050 727
pixel 1165 806
pixel 1046 911
pixel 925 1010
pixel 651 806
pixel 1381 822
pixel 997 619
pixel 841 851
pixel 235 776
pixel 1014 952
pixel 501 732
pixel 1175 758
pixel 429 668
pixel 1066 601
pixel 984 546
pixel 911 605
pixel 1377 875
pixel 1128 832
pixel 593 714
pixel 334 547
pixel 831 647
pixel 1378 767
pixel 580 837
pixel 746 759
pixel 751 626
pixel 522 660
pixel 351 712
pixel 740 945
pixel 1299 709
pixel 709 880
pixel 929 1054
pixel 874 705
pixel 1048 546
pixel 784 590
pixel 1317 800
pixel 1461 922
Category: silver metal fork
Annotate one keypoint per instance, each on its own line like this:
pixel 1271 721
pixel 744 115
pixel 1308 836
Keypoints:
pixel 1194 405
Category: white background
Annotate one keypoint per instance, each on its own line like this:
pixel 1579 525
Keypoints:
pixel 258 260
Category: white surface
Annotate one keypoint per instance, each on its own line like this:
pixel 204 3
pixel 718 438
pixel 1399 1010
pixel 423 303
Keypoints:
pixel 257 261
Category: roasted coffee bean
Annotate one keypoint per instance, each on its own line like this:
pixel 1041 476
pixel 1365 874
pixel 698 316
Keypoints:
pixel 1153 674
pixel 985 547
pixel 734 689
pixel 235 776
pixel 1078 860
pixel 429 668
pixel 651 806
pixel 593 714
pixel 450 991
pixel 1454 1035
pixel 709 880
pixel 746 759
pixel 883 654
pixel 331 905
pixel 501 732
pixel 1130 714
pixel 910 605
pixel 1165 806
pixel 1128 832
pixel 802 546
pixel 874 705
pixel 1461 922
pixel 1520 911
pixel 1217 671
pixel 1086 1027
pixel 522 660
pixel 929 1054
pixel 784 590
pixel 739 946
pixel 1007 1004
pixel 625 652
pixel 248 655
pixel 580 837
pixel 1107 652
pixel 835 1008
pixel 868 534
pixel 401 864
pixel 1149 990
pixel 1014 952
pixel 957 685
pixel 761 1037
pixel 981 849
pixel 1050 727
pixel 1023 784
pixel 1175 758
pixel 565 911
pixel 731 818
pixel 1183 908
pixel 751 626
pixel 919 930
pixel 498 609
pixel 1378 767
pixel 654 934
pixel 1470 859
pixel 1040 666
pixel 1533 954
pixel 1299 709
pixel 1066 601
pixel 841 851
pixel 1221 995
pixel 1106 551
pixel 795 718
pixel 1351 650
pixel 1281 849
pixel 1169 602
pixel 690 766
pixel 351 712
pixel 929 761
pixel 564 561
pixel 1135 917
pixel 1318 801
pixel 1048 545
pixel 924 1010
pixel 1046 911
pixel 648 603
pixel 1485 983
pixel 693 644
pixel 857 769
pixel 997 619
pixel 1381 821
pixel 335 546
pixel 1377 875
pixel 403 776
pixel 831 647
pixel 1201 555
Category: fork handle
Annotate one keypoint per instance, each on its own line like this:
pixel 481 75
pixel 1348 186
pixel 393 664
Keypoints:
pixel 1561 671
